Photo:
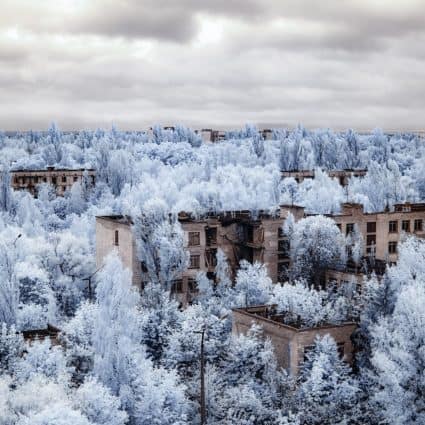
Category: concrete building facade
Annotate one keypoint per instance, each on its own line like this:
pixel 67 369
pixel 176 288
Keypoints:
pixel 291 342
pixel 260 238
pixel 382 231
pixel 60 179
pixel 237 233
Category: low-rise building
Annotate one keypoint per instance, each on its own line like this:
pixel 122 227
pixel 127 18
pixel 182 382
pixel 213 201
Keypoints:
pixel 291 342
pixel 60 179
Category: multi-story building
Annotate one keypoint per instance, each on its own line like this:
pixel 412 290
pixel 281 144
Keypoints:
pixel 237 233
pixel 291 342
pixel 342 175
pixel 382 231
pixel 60 179
pixel 260 238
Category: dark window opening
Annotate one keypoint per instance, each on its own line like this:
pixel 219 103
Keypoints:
pixel 211 235
pixel 283 247
pixel 194 239
pixel 340 348
pixel 405 225
pixel 349 228
pixel 116 238
pixel 418 225
pixel 177 286
pixel 392 227
pixel 211 257
pixel 392 247
pixel 248 233
pixel 371 227
pixel 191 285
pixel 194 261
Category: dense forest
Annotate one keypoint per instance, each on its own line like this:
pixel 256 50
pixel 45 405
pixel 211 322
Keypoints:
pixel 127 357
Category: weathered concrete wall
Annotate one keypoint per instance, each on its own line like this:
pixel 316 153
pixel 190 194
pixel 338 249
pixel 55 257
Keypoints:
pixel 289 343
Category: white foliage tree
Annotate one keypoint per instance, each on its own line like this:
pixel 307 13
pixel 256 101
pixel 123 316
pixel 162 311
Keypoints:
pixel 316 244
pixel 327 393
pixel 160 243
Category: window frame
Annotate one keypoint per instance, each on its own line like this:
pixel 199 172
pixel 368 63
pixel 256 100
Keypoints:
pixel 415 225
pixel 392 247
pixel 192 265
pixel 407 223
pixel 193 235
pixel 372 225
pixel 349 228
pixel 393 226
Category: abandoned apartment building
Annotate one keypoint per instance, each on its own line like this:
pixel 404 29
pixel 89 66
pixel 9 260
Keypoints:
pixel 237 233
pixel 260 238
pixel 291 340
pixel 61 179
pixel 381 233
pixel 343 176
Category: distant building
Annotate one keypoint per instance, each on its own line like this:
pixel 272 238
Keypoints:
pixel 291 342
pixel 50 332
pixel 342 175
pixel 60 179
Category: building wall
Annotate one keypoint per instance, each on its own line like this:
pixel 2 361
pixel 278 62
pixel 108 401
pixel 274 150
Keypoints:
pixel 290 343
pixel 264 246
pixel 265 242
pixel 126 248
pixel 62 180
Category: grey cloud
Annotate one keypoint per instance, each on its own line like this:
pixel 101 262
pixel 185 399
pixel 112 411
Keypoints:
pixel 341 66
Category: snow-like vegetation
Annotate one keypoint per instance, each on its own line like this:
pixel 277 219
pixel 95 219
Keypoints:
pixel 132 358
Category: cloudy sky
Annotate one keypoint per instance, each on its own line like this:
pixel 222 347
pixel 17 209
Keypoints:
pixel 215 63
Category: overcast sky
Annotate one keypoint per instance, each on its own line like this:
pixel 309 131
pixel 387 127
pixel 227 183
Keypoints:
pixel 212 63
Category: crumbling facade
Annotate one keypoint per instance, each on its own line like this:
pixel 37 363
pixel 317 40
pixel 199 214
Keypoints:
pixel 260 238
pixel 61 179
pixel 239 235
pixel 291 342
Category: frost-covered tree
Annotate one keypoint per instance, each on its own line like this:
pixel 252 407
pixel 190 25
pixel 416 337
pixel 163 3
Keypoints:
pixel 116 327
pixel 327 392
pixel 316 244
pixel 160 244
pixel 41 358
pixel 398 359
pixel 97 403
pixel 248 386
pixel 11 348
pixel 9 288
pixel 252 285
pixel 6 197
pixel 159 318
